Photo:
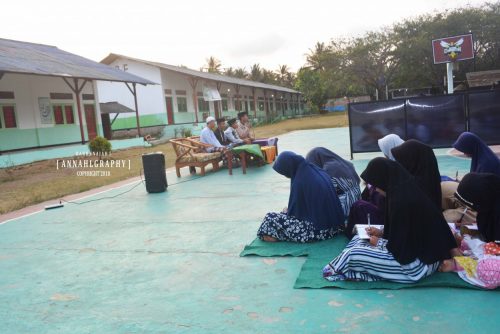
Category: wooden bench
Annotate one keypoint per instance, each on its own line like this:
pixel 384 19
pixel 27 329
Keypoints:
pixel 191 152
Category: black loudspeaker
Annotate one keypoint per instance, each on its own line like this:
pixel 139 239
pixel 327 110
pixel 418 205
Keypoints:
pixel 154 172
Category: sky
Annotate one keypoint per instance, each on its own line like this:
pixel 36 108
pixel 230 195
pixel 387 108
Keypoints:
pixel 187 32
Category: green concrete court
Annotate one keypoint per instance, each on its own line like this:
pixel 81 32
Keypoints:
pixel 169 263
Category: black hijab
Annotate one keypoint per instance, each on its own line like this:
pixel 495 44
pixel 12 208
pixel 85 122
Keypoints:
pixel 419 160
pixel 332 163
pixel 481 192
pixel 413 226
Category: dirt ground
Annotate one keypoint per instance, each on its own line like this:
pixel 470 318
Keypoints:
pixel 41 181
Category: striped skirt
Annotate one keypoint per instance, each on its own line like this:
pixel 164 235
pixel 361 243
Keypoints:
pixel 360 261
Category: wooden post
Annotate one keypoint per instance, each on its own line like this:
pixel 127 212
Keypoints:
pixel 237 95
pixel 133 90
pixel 266 109
pixel 136 109
pixel 254 103
pixel 193 82
pixel 77 90
pixel 219 85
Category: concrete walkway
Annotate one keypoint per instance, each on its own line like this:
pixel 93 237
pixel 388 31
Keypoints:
pixel 168 263
pixel 28 156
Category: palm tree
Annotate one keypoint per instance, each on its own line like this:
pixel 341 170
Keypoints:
pixel 255 73
pixel 315 58
pixel 213 65
pixel 268 77
pixel 241 73
pixel 229 72
pixel 283 75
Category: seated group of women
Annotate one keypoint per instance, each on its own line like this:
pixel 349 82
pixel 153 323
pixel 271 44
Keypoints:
pixel 403 194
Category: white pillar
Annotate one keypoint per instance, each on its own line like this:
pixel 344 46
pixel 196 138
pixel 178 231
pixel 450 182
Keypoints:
pixel 449 74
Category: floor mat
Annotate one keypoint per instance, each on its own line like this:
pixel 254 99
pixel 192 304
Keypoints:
pixel 320 253
pixel 283 248
pixel 310 276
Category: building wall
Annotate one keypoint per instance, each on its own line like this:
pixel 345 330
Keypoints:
pixel 29 130
pixel 150 100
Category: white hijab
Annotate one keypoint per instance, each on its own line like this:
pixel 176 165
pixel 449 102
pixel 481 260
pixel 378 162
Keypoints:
pixel 388 142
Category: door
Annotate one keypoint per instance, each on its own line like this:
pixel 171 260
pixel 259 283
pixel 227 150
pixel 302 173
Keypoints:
pixel 217 109
pixel 170 109
pixel 106 126
pixel 90 120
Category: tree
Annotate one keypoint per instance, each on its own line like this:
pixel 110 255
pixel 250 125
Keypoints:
pixel 311 85
pixel 240 73
pixel 284 76
pixel 316 57
pixel 213 65
pixel 268 77
pixel 371 59
pixel 255 73
pixel 229 72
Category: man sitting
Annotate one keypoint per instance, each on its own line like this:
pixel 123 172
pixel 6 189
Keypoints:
pixel 244 127
pixel 207 136
pixel 219 133
pixel 232 134
pixel 245 131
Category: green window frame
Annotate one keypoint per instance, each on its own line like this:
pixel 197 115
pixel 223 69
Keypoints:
pixel 261 105
pixel 3 123
pixel 224 105
pixel 237 104
pixel 203 105
pixel 182 104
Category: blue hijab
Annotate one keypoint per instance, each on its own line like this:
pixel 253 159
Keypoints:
pixel 312 195
pixel 483 158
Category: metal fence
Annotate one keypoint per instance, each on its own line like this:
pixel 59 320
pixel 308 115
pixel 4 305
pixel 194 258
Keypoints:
pixel 434 120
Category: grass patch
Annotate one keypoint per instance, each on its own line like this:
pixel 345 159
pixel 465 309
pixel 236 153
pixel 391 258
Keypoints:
pixel 41 181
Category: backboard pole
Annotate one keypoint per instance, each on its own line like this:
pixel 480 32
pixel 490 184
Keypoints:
pixel 449 75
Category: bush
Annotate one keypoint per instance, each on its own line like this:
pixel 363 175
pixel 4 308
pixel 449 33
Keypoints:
pixel 100 145
pixel 187 133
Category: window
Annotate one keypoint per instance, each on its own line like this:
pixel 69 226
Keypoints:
pixel 61 96
pixel 261 105
pixel 203 105
pixel 182 104
pixel 224 104
pixel 237 104
pixel 63 114
pixel 58 115
pixel 68 113
pixel 9 117
pixel 246 106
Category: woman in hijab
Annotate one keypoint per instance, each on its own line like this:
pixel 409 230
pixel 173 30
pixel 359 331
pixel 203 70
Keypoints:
pixel 342 173
pixel 419 160
pixel 372 203
pixel 314 211
pixel 388 142
pixel 483 158
pixel 481 192
pixel 413 242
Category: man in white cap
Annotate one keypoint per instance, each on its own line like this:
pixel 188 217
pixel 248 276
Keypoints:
pixel 207 136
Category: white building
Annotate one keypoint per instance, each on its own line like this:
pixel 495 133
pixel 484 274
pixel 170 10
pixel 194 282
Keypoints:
pixel 179 98
pixel 49 96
